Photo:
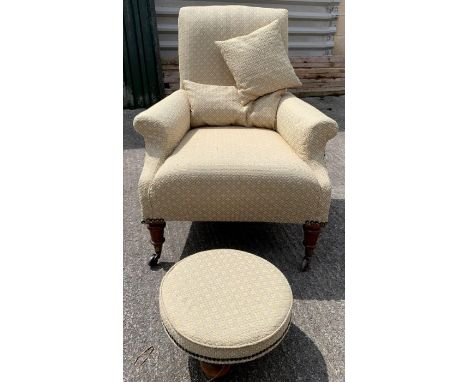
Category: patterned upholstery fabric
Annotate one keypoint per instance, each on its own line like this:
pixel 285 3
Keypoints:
pixel 213 105
pixel 306 129
pixel 200 60
pixel 163 126
pixel 225 306
pixel 262 111
pixel 231 173
pixel 239 174
pixel 259 62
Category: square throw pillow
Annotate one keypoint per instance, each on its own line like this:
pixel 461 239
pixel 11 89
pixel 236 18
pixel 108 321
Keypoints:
pixel 212 105
pixel 259 62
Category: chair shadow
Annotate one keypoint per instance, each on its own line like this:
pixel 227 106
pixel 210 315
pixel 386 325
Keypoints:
pixel 297 358
pixel 281 244
pixel 164 265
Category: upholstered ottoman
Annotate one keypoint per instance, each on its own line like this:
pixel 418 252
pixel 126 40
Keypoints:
pixel 224 307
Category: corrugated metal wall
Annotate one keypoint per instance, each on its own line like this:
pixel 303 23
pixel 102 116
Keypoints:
pixel 143 77
pixel 312 23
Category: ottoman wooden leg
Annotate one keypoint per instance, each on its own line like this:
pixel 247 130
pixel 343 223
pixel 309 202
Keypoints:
pixel 156 228
pixel 212 370
pixel 311 234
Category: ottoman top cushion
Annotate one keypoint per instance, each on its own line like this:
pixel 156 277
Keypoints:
pixel 225 305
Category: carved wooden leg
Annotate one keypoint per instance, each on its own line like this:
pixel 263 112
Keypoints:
pixel 156 228
pixel 214 371
pixel 311 234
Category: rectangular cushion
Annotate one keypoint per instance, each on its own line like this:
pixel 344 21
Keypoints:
pixel 212 105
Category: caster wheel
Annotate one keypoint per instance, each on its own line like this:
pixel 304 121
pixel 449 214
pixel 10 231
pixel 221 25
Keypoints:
pixel 214 371
pixel 154 261
pixel 305 264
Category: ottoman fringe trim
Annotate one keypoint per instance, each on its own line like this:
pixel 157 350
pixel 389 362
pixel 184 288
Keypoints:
pixel 231 360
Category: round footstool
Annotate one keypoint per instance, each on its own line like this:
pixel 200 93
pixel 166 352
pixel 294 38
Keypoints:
pixel 224 307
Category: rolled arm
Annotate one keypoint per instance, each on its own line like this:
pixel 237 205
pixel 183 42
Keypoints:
pixel 306 129
pixel 163 126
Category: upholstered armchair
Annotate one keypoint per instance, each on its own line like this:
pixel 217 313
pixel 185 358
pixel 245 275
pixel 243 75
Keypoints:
pixel 231 173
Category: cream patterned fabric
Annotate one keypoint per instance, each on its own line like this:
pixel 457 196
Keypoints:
pixel 231 173
pixel 306 129
pixel 262 111
pixel 200 60
pixel 225 306
pixel 213 105
pixel 239 174
pixel 163 126
pixel 259 62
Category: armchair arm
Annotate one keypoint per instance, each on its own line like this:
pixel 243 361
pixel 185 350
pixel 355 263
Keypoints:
pixel 163 126
pixel 306 129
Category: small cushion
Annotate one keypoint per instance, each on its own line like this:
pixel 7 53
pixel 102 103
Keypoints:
pixel 259 62
pixel 212 105
pixel 225 306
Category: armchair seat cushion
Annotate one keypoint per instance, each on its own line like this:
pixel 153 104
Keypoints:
pixel 239 174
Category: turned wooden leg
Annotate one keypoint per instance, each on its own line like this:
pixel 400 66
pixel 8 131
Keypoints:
pixel 311 234
pixel 156 228
pixel 212 370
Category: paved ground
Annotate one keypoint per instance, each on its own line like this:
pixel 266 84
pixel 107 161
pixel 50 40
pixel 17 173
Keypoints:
pixel 313 350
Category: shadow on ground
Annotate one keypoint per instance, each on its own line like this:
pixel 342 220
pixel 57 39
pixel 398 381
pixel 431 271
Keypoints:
pixel 281 244
pixel 297 358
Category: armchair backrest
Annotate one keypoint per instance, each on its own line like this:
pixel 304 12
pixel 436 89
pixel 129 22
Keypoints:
pixel 199 27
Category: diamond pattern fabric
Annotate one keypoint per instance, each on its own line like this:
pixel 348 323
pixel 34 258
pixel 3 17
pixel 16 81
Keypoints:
pixel 212 105
pixel 200 60
pixel 163 126
pixel 232 173
pixel 225 305
pixel 259 62
pixel 305 128
pixel 239 174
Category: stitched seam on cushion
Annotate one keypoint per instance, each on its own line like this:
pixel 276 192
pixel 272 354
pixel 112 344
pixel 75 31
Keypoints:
pixel 241 346
pixel 288 316
pixel 230 360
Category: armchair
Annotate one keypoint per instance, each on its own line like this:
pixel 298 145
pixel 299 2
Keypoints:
pixel 231 173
